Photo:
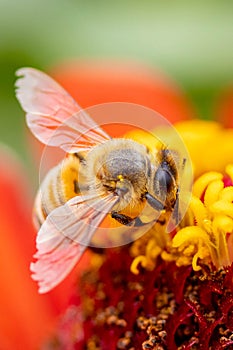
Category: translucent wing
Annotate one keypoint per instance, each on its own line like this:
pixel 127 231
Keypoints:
pixel 64 236
pixel 53 115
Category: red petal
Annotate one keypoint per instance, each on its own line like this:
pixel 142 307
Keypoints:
pixel 224 108
pixel 25 316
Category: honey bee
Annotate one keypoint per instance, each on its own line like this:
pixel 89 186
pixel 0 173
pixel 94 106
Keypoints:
pixel 99 177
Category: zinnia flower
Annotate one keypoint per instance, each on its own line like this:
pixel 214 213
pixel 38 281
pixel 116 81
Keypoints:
pixel 166 291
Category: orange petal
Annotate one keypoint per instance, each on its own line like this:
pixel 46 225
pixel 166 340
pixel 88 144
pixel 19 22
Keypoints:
pixel 95 82
pixel 26 317
pixel 224 108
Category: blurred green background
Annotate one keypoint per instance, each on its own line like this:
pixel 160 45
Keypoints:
pixel 190 40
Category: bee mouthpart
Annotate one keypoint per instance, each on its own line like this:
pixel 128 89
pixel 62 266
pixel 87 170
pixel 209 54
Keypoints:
pixel 122 188
pixel 121 191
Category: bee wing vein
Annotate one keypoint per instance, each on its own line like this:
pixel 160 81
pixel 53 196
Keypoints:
pixel 64 235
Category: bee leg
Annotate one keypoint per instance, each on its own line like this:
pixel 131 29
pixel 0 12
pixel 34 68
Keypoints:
pixel 176 211
pixel 127 220
pixel 153 202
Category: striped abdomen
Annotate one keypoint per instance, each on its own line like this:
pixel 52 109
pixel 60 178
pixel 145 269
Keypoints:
pixel 59 185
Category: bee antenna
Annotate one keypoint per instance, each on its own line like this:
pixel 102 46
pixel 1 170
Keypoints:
pixel 183 163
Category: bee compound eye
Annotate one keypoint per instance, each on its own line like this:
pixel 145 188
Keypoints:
pixel 163 181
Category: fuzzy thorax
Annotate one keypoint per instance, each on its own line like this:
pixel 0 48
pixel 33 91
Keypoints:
pixel 120 166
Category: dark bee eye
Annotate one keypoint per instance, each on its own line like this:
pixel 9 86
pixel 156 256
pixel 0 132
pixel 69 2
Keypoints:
pixel 163 181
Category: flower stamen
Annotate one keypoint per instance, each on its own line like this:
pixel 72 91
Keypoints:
pixel 204 236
